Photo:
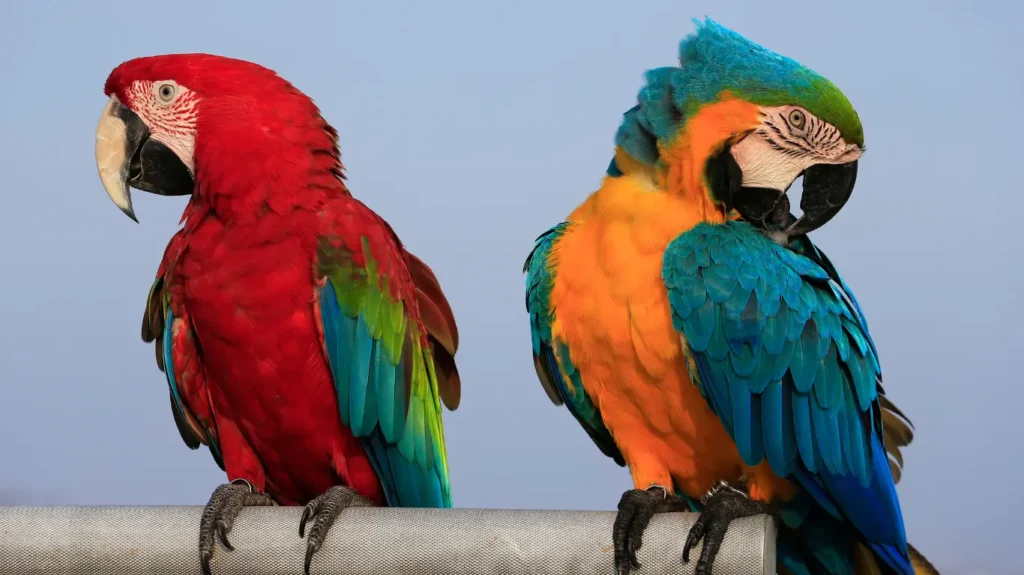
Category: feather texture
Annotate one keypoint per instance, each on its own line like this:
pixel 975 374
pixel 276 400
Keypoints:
pixel 384 373
pixel 805 399
pixel 442 332
pixel 177 357
pixel 897 429
pixel 551 358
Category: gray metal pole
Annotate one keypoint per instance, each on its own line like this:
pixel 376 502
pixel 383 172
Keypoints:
pixel 163 541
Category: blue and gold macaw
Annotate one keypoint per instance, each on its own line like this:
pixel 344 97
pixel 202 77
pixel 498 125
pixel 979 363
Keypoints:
pixel 687 321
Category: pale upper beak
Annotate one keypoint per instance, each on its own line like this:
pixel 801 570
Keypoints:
pixel 127 157
pixel 112 156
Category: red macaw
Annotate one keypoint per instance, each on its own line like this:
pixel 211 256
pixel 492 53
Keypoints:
pixel 301 341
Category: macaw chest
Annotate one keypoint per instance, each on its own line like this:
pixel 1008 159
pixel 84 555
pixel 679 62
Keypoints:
pixel 250 302
pixel 611 311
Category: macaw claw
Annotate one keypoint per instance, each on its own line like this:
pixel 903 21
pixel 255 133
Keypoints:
pixel 323 511
pixel 219 516
pixel 636 507
pixel 722 504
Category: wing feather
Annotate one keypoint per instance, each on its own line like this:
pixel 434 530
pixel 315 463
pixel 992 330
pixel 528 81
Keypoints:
pixel 176 355
pixel 555 370
pixel 369 299
pixel 733 294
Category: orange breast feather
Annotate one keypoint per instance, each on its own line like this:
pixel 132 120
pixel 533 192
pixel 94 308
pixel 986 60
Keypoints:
pixel 612 310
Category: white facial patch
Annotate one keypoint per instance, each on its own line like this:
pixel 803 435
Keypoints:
pixel 183 146
pixel 763 166
pixel 788 141
pixel 169 110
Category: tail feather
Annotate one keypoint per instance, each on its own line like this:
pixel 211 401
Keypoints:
pixel 922 566
pixel 898 432
pixel 865 562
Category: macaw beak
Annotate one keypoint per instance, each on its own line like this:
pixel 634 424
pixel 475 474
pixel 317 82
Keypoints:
pixel 827 188
pixel 126 157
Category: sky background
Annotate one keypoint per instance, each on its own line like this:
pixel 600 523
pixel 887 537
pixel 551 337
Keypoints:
pixel 473 127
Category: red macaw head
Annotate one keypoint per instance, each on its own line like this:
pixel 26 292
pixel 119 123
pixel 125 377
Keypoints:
pixel 231 125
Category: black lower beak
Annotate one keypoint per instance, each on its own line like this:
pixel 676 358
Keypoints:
pixel 153 167
pixel 826 189
pixel 763 207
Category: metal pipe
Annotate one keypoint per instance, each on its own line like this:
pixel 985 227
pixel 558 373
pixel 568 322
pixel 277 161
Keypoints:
pixel 163 541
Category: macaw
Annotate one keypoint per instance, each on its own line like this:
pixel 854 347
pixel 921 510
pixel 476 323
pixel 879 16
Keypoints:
pixel 700 338
pixel 301 342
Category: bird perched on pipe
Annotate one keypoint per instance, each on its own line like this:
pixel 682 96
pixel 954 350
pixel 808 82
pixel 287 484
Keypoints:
pixel 300 340
pixel 690 325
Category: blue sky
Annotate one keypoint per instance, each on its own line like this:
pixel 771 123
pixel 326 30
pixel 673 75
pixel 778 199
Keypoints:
pixel 472 127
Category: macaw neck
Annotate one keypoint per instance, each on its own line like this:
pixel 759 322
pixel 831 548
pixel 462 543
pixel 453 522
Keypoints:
pixel 266 172
pixel 692 189
pixel 645 209
pixel 706 133
pixel 674 179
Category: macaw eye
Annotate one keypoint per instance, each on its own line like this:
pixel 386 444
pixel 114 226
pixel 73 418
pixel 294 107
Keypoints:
pixel 797 119
pixel 167 92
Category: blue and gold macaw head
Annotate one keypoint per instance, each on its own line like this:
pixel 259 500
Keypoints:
pixel 739 124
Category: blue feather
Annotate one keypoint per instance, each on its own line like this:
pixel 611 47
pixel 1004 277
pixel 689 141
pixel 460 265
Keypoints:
pixel 786 365
pixel 870 507
pixel 169 359
pixel 741 420
pixel 373 403
pixel 804 364
pixel 773 336
pixel 775 439
pixel 613 169
pixel 339 333
pixel 392 409
pixel 358 375
pixel 719 283
pixel 718 395
pixel 177 404
pixel 826 432
pixel 634 139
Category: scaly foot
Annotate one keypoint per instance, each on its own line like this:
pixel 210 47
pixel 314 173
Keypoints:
pixel 323 511
pixel 219 516
pixel 636 508
pixel 721 505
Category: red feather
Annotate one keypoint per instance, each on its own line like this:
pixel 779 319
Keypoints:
pixel 440 323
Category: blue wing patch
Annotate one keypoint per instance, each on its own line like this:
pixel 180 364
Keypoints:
pixel 781 351
pixel 551 358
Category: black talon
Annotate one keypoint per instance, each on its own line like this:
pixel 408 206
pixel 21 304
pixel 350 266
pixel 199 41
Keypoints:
pixel 305 517
pixel 219 516
pixel 636 508
pixel 323 511
pixel 222 533
pixel 721 505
